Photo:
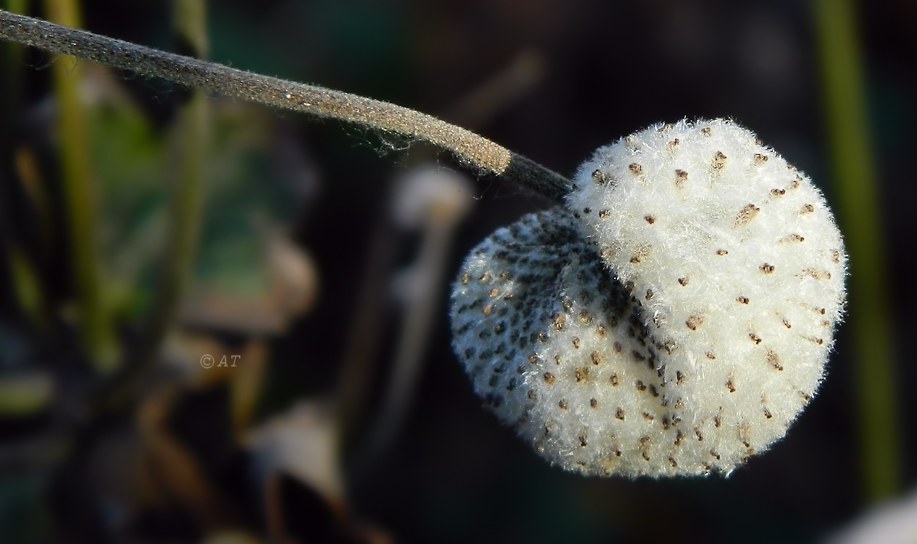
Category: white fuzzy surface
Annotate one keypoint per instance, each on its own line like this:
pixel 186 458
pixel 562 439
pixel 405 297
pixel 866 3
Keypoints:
pixel 674 321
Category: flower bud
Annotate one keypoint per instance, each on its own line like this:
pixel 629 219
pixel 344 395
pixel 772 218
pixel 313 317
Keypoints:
pixel 674 320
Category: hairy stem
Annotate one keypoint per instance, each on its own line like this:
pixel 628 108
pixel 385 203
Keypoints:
pixel 477 152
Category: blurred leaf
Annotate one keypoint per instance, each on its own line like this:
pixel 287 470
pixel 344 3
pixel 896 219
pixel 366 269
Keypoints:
pixel 246 384
pixel 231 537
pixel 242 189
pixel 23 516
pixel 130 162
pixel 174 468
pixel 25 394
pixel 135 168
pixel 302 443
pixel 26 284
pixel 285 285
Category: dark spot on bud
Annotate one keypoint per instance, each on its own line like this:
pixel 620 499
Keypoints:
pixel 582 374
pixel 746 214
pixel 680 178
pixel 694 322
pixel 640 254
pixel 816 274
pixel 773 359
pixel 719 160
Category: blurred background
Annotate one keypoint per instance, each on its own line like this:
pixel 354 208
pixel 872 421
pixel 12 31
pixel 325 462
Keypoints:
pixel 224 323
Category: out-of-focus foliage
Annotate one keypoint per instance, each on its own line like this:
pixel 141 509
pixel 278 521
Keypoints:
pixel 303 273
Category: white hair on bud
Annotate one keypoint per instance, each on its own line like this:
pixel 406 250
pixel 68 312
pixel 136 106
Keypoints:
pixel 674 321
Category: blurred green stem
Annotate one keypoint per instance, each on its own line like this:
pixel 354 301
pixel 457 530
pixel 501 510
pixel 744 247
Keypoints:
pixel 187 202
pixel 858 210
pixel 190 23
pixel 79 197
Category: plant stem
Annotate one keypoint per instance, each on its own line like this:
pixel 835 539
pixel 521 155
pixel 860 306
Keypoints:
pixel 190 24
pixel 858 211
pixel 475 151
pixel 186 209
pixel 79 194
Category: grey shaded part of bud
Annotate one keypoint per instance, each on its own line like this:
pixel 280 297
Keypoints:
pixel 557 348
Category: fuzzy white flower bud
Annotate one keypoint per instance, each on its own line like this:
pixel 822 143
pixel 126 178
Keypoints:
pixel 673 321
